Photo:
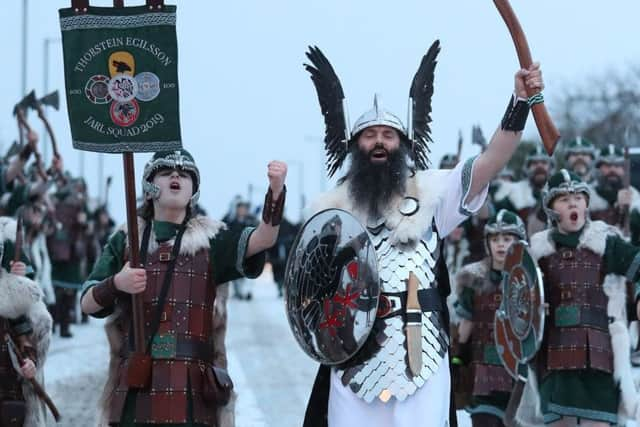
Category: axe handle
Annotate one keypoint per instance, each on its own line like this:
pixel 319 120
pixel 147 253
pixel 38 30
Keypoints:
pixel 626 226
pixel 37 388
pixel 548 131
pixel 22 123
pixel 54 144
pixel 19 236
pixel 137 308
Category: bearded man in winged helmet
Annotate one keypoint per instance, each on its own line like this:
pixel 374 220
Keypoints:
pixel 407 210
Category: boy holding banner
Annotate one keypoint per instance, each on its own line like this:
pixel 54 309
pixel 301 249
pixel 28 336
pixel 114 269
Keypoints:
pixel 184 257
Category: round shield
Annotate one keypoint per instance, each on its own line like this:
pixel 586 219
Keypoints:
pixel 519 322
pixel 331 286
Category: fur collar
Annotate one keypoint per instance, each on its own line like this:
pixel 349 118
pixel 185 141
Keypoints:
pixel 474 276
pixel 519 193
pixel 594 237
pixel 598 203
pixel 406 229
pixel 17 295
pixel 200 230
pixel 8 228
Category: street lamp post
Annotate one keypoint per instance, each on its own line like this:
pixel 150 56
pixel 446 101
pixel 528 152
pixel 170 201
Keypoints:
pixel 300 166
pixel 23 86
pixel 45 86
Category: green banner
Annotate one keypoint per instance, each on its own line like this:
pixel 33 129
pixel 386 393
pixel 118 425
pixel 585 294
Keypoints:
pixel 121 75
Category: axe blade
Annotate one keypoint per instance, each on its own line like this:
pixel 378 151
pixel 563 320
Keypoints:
pixel 51 100
pixel 14 149
pixel 29 101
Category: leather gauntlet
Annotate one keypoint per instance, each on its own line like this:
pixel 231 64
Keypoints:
pixel 273 209
pixel 105 293
pixel 516 115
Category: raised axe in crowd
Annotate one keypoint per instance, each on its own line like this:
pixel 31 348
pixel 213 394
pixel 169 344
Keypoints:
pixel 19 111
pixel 50 100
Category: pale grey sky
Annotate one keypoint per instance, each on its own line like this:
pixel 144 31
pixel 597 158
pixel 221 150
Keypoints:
pixel 245 98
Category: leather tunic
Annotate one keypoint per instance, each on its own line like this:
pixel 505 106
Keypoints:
pixel 10 382
pixel 183 345
pixel 578 335
pixel 66 244
pixel 488 373
pixel 611 216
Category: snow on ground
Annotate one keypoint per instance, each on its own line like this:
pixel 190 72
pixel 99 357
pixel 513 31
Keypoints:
pixel 272 376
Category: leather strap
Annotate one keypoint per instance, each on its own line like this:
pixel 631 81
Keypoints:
pixel 165 284
pixel 516 115
pixel 80 6
pixel 191 348
pixel 273 209
pixel 429 299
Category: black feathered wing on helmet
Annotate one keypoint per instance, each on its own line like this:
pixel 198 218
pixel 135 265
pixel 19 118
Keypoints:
pixel 420 94
pixel 332 104
pixel 334 110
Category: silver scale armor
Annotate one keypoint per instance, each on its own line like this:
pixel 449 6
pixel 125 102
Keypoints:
pixel 386 373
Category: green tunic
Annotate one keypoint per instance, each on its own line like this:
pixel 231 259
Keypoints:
pixel 588 394
pixel 227 252
pixel 19 197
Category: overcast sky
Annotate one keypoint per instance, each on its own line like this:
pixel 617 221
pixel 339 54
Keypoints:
pixel 245 98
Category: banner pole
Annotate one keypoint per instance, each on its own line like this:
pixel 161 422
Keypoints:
pixel 137 308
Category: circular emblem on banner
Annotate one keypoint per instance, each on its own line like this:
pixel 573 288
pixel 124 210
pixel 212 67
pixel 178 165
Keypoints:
pixel 148 86
pixel 123 88
pixel 121 62
pixel 124 113
pixel 97 89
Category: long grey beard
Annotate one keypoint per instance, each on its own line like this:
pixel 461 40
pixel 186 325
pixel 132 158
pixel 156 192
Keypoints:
pixel 374 185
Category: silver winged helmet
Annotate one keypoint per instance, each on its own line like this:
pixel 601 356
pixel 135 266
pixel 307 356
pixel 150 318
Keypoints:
pixel 339 137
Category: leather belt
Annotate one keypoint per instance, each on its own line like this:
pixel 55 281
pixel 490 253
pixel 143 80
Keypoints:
pixel 194 349
pixel 186 347
pixel 575 315
pixel 395 303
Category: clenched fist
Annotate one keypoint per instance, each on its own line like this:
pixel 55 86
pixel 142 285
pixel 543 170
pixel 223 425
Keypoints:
pixel 277 172
pixel 528 79
pixel 131 280
pixel 18 268
pixel 624 198
pixel 28 369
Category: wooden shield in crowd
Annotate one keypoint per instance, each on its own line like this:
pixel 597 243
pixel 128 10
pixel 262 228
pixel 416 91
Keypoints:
pixel 519 322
